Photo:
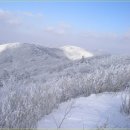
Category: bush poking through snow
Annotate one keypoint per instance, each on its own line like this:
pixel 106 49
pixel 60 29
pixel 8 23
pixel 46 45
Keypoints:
pixel 66 114
pixel 125 107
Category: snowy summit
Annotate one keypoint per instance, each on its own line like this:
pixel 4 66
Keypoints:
pixel 8 45
pixel 75 53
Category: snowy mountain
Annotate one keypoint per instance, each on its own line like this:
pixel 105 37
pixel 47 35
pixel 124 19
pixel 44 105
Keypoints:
pixel 29 60
pixel 23 51
pixel 30 50
pixel 75 53
pixel 35 79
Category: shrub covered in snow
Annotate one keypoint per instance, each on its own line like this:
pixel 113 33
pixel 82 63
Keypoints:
pixel 125 107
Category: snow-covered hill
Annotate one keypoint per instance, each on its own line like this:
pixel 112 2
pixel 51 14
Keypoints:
pixel 20 51
pixel 30 50
pixel 7 46
pixel 24 60
pixel 35 79
pixel 75 53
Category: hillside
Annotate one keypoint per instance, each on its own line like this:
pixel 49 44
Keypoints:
pixel 75 53
pixel 35 79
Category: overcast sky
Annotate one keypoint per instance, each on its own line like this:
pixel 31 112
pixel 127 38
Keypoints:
pixel 93 26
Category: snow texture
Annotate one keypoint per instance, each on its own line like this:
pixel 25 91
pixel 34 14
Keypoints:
pixel 101 110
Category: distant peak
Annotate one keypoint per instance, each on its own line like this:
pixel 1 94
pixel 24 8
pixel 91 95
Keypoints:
pixel 75 53
pixel 9 45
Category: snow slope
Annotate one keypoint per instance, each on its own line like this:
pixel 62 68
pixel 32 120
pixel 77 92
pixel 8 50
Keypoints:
pixel 75 53
pixel 8 45
pixel 89 112
pixel 32 74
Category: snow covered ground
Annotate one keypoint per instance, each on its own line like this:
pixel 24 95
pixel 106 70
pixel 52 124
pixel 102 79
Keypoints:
pixel 88 112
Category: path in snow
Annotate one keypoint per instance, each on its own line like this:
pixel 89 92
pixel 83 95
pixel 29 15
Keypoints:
pixel 89 112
